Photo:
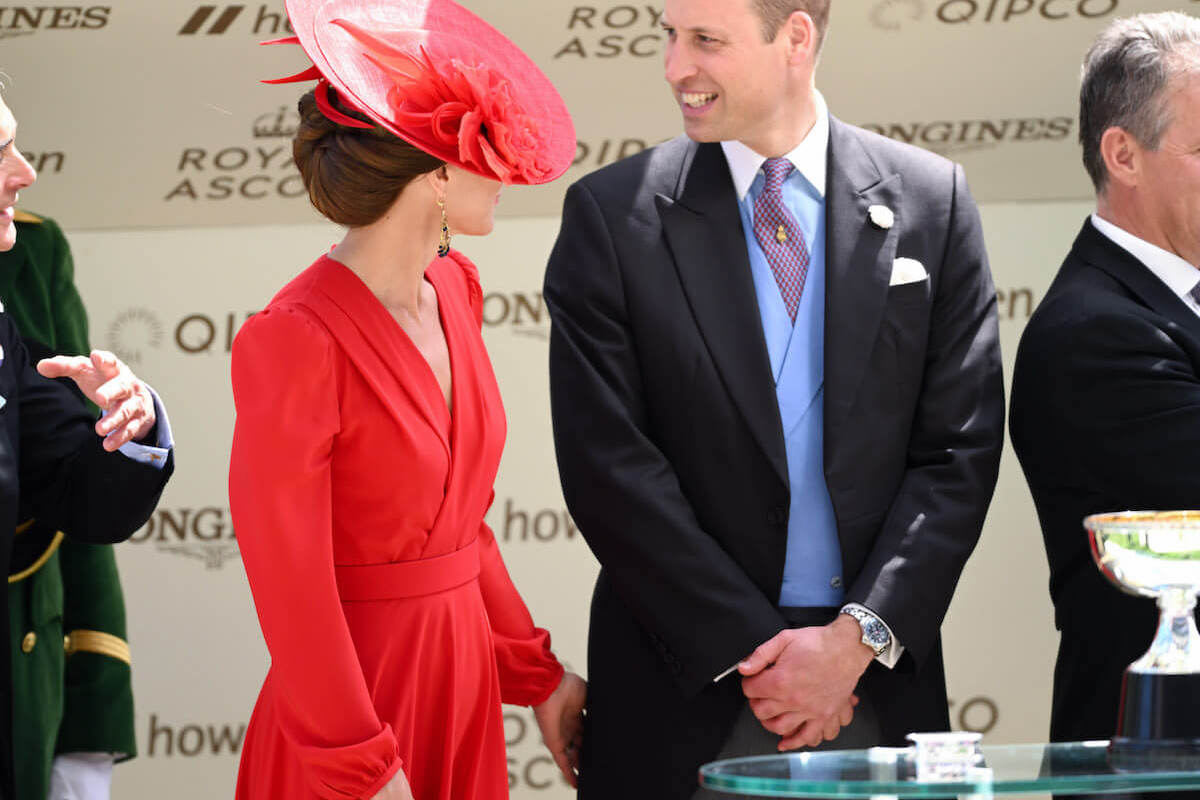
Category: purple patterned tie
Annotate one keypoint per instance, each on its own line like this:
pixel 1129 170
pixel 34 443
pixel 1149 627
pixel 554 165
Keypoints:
pixel 779 235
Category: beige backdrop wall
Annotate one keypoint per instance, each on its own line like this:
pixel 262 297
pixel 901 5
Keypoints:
pixel 168 166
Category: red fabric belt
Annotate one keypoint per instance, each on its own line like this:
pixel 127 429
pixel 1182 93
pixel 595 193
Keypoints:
pixel 401 579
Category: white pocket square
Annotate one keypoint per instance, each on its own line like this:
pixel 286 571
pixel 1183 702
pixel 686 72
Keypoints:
pixel 907 270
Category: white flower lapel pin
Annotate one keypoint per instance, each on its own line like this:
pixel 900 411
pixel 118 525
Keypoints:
pixel 881 217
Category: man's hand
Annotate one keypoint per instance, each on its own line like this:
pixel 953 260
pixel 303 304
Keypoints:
pixel 560 719
pixel 800 683
pixel 126 401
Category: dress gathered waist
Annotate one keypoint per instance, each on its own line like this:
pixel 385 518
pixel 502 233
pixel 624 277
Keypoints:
pixel 402 579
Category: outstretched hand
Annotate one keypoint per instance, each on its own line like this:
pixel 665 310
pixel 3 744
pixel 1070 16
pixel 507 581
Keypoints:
pixel 560 719
pixel 105 380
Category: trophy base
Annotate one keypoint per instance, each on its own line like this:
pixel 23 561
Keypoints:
pixel 1159 721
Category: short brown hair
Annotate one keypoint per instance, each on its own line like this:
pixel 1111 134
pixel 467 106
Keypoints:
pixel 353 175
pixel 774 13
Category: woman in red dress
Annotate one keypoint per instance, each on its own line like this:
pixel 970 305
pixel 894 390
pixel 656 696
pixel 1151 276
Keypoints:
pixel 370 427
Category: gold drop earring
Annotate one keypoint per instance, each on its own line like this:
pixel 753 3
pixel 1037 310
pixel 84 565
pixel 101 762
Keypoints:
pixel 444 243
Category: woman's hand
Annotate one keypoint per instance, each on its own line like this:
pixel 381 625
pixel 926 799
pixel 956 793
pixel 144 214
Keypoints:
pixel 560 719
pixel 395 789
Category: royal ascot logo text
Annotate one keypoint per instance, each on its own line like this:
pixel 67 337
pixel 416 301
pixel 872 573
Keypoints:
pixel 202 534
pixel 957 136
pixel 255 172
pixel 893 15
pixel 263 20
pixel 530 766
pixel 612 32
pixel 28 20
pixel 279 124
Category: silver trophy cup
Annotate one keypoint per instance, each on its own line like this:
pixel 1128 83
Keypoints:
pixel 1157 554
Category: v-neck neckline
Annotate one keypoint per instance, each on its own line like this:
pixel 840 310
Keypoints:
pixel 433 386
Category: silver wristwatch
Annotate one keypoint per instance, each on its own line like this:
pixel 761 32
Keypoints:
pixel 874 633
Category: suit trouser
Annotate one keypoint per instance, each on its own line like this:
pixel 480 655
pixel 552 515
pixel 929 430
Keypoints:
pixel 749 738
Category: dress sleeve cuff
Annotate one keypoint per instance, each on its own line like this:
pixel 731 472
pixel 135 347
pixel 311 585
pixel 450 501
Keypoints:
pixel 529 672
pixel 353 772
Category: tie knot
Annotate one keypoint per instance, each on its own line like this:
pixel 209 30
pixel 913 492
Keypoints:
pixel 1195 293
pixel 776 170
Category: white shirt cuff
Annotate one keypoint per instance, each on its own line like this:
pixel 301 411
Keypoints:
pixel 891 654
pixel 81 776
pixel 155 455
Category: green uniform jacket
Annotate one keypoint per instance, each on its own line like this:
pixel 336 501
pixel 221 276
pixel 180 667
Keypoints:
pixel 70 663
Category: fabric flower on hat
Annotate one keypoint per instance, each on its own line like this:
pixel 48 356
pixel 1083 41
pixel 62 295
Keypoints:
pixel 465 106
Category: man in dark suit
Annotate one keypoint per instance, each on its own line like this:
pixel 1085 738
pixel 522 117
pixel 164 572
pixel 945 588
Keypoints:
pixel 776 390
pixel 1106 388
pixel 97 481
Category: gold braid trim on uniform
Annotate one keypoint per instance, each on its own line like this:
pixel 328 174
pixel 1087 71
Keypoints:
pixel 42 559
pixel 25 216
pixel 26 525
pixel 85 641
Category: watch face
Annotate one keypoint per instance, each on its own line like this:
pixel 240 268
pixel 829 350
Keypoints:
pixel 876 633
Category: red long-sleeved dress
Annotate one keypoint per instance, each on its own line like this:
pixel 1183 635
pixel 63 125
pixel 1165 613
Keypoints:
pixel 358 500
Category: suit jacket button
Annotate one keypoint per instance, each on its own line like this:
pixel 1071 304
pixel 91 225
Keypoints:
pixel 28 643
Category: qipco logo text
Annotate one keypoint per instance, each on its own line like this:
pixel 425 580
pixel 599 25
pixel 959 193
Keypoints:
pixel 955 12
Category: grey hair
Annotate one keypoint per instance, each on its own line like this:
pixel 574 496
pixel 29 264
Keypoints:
pixel 1127 77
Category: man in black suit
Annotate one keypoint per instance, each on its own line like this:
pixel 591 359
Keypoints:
pixel 1106 389
pixel 741 485
pixel 96 480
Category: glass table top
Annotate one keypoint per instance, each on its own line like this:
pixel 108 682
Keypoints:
pixel 1063 768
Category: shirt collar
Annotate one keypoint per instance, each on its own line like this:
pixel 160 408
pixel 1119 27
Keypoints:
pixel 809 157
pixel 1179 276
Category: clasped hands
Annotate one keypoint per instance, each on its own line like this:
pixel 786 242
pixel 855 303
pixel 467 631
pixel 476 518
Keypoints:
pixel 104 379
pixel 800 683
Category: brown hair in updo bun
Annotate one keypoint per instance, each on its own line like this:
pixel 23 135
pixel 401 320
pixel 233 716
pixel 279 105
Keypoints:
pixel 353 175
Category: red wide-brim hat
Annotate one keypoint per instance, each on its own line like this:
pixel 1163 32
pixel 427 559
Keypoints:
pixel 440 78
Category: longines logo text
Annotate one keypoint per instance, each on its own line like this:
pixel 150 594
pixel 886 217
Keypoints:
pixel 893 15
pixel 248 173
pixel 945 136
pixel 204 534
pixel 513 524
pixel 524 313
pixel 27 20
pixel 189 740
pixel 264 20
pixel 613 31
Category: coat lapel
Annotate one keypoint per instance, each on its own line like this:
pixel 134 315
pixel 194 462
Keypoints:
pixel 858 267
pixel 714 268
pixel 1103 253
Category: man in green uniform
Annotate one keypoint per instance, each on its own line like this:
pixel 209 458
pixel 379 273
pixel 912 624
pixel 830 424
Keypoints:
pixel 72 695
